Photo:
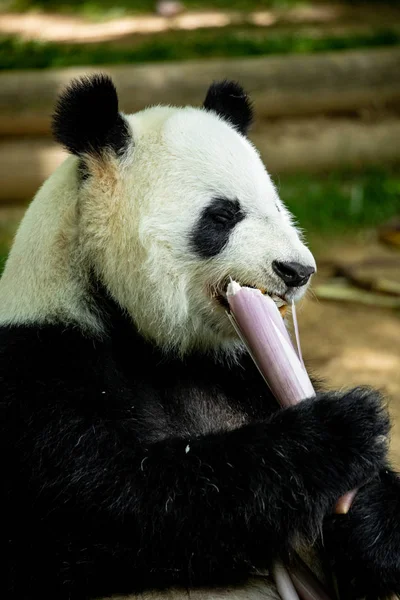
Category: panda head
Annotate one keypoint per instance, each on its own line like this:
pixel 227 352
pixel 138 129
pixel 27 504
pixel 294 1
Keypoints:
pixel 165 206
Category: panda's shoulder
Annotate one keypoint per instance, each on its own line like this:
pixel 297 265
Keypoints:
pixel 37 359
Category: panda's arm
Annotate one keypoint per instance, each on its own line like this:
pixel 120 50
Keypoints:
pixel 194 507
pixel 364 545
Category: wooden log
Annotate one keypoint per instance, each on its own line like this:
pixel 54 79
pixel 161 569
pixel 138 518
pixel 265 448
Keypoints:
pixel 280 86
pixel 25 165
pixel 348 293
pixel 288 146
pixel 318 144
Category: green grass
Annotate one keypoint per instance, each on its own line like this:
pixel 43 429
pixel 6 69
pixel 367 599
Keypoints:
pixel 5 243
pixel 341 202
pixel 3 258
pixel 8 225
pixel 184 45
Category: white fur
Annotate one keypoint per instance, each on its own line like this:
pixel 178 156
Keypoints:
pixel 39 282
pixel 131 221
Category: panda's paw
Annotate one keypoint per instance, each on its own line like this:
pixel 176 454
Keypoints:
pixel 364 545
pixel 350 432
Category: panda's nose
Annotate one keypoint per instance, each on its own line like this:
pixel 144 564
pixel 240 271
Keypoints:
pixel 292 273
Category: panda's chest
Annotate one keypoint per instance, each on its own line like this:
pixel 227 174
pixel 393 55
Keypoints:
pixel 198 398
pixel 203 409
pixel 188 412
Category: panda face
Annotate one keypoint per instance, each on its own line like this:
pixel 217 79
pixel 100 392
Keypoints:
pixel 199 208
pixel 163 207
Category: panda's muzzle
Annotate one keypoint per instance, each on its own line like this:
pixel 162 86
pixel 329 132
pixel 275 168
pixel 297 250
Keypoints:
pixel 220 296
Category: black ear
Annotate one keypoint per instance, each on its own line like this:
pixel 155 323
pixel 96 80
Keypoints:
pixel 229 100
pixel 86 118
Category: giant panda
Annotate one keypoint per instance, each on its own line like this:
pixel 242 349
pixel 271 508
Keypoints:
pixel 141 453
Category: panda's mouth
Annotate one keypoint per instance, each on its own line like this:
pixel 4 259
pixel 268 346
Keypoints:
pixel 220 297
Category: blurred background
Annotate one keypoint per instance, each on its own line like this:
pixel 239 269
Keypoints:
pixel 325 79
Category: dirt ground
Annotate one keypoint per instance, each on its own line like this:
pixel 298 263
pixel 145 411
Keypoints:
pixel 348 344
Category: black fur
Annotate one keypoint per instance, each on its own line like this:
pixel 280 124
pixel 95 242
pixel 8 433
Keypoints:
pixel 87 120
pixel 365 544
pixel 230 101
pixel 216 223
pixel 83 170
pixel 124 469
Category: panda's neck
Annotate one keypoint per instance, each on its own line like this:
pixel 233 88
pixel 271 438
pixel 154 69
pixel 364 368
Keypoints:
pixel 121 330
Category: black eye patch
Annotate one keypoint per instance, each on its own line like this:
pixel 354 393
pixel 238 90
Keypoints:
pixel 217 221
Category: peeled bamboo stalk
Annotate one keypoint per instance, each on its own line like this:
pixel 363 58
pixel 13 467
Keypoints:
pixel 258 322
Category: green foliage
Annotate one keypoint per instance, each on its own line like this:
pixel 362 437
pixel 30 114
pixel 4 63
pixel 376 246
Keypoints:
pixel 341 202
pixel 180 45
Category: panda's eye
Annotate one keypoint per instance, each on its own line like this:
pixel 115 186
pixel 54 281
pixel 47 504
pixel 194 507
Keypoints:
pixel 224 212
pixel 217 221
pixel 222 216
